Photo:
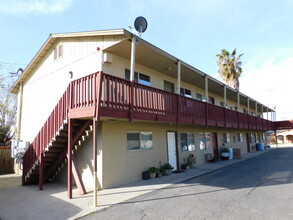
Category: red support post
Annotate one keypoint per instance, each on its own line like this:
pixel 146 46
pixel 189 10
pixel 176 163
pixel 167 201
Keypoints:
pixel 69 158
pixel 41 171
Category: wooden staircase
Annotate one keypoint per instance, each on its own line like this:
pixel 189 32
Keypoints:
pixel 55 152
pixel 68 125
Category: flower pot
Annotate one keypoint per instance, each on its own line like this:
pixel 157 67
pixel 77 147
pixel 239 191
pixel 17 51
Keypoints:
pixel 145 175
pixel 153 175
pixel 159 175
pixel 184 167
pixel 225 155
pixel 167 172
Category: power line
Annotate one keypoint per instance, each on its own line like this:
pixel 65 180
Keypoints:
pixel 8 63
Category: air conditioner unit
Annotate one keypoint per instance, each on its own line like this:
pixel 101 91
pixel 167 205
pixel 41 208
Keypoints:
pixel 18 148
pixel 107 58
pixel 14 146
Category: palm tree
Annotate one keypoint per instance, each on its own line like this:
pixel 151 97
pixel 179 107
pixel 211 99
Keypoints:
pixel 230 67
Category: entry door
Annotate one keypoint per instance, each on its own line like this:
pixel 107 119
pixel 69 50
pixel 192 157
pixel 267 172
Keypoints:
pixel 215 146
pixel 171 142
pixel 248 142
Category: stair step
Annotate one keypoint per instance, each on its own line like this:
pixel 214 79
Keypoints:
pixel 55 149
pixel 51 154
pixel 47 159
pixel 63 133
pixel 61 139
pixel 58 144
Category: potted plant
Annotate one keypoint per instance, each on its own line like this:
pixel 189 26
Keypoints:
pixel 191 160
pixel 168 169
pixel 225 153
pixel 153 171
pixel 184 166
pixel 160 173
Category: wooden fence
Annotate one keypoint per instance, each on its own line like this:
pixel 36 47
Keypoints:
pixel 6 162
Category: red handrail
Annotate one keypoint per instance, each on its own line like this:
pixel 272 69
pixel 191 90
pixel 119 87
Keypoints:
pixel 79 93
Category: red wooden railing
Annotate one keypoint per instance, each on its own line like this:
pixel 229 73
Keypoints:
pixel 124 99
pixel 279 125
pixel 121 98
pixel 79 93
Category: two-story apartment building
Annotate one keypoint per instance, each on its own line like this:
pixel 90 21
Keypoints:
pixel 76 103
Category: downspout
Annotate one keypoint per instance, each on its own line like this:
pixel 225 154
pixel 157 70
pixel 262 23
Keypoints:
pixel 19 110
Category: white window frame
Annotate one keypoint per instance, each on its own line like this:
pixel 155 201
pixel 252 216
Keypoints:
pixel 201 97
pixel 239 137
pixel 137 77
pixel 226 138
pixel 190 144
pixel 142 145
pixel 58 51
pixel 185 92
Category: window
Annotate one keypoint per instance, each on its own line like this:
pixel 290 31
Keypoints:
pixel 139 77
pixel 257 138
pixel 139 140
pixel 168 86
pixel 226 138
pixel 202 141
pixel 235 108
pixel 234 139
pixel 185 92
pixel 201 97
pixel 239 137
pixel 58 51
pixel 211 100
pixel 222 104
pixel 205 141
pixel 187 142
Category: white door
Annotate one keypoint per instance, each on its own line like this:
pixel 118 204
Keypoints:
pixel 171 142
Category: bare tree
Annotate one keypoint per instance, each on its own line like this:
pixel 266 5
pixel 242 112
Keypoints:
pixel 7 104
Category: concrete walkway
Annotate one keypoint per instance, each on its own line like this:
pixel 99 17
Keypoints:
pixel 17 202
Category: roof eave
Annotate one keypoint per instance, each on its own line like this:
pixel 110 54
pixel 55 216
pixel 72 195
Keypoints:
pixel 51 40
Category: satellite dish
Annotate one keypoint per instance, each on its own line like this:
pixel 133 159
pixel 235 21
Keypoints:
pixel 140 24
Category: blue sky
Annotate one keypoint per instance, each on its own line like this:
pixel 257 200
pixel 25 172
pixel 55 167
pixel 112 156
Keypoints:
pixel 192 30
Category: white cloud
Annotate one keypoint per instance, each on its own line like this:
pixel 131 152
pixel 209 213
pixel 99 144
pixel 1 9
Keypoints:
pixel 34 6
pixel 271 84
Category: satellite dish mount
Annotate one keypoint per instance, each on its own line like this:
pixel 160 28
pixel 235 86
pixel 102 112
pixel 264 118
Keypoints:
pixel 140 25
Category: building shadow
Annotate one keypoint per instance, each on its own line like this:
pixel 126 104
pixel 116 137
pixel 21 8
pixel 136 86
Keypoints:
pixel 27 202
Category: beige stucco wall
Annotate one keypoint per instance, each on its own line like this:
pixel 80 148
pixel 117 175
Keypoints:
pixel 49 80
pixel 118 66
pixel 118 166
pixel 121 166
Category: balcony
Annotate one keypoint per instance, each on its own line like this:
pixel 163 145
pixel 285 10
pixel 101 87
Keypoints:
pixel 129 100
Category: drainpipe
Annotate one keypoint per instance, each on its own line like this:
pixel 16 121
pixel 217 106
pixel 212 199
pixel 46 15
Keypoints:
pixel 19 110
